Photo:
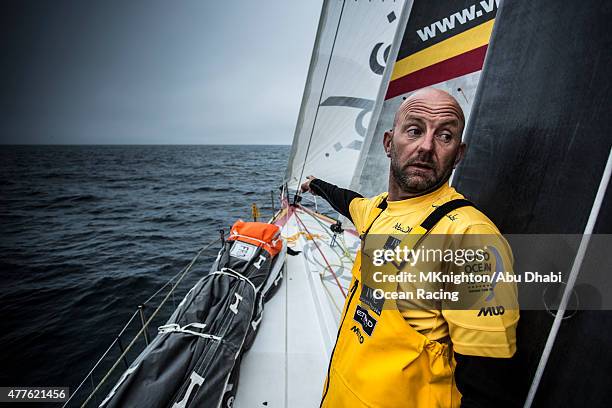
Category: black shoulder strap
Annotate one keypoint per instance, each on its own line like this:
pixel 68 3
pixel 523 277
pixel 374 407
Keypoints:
pixel 439 213
pixel 432 219
pixel 382 206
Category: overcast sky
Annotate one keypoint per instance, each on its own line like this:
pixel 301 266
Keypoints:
pixel 185 72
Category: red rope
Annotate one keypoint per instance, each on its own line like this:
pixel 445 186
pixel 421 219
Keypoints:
pixel 322 254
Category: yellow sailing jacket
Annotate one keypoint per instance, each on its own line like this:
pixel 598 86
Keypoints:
pixel 379 359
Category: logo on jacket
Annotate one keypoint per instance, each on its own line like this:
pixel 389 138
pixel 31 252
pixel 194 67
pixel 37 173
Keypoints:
pixel 491 311
pixel 357 332
pixel 367 322
pixel 391 243
pixel 399 227
pixel 367 297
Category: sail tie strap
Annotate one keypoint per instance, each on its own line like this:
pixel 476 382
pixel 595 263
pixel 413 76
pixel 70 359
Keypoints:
pixel 233 273
pixel 175 328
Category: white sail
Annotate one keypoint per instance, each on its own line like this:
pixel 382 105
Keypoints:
pixel 442 46
pixel 353 40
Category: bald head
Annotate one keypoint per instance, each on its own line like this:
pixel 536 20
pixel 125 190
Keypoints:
pixel 425 143
pixel 430 101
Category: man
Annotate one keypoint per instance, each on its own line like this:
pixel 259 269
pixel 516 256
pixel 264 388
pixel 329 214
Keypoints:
pixel 402 353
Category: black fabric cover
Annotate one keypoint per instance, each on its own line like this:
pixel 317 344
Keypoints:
pixel 164 372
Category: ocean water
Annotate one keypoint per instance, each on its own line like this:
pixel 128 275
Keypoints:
pixel 90 232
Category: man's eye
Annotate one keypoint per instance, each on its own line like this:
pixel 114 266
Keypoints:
pixel 414 131
pixel 445 137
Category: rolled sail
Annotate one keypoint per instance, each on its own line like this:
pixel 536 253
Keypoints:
pixel 195 359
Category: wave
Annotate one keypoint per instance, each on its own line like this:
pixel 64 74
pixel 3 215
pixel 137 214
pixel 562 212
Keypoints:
pixel 156 238
pixel 54 175
pixel 4 182
pixel 162 219
pixel 211 189
pixel 77 198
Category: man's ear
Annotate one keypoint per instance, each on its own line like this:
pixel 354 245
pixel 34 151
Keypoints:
pixel 387 140
pixel 460 154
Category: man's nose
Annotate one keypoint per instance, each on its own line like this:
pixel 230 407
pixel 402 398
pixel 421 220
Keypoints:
pixel 427 142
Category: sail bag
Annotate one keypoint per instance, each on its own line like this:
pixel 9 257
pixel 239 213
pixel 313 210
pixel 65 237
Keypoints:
pixel 194 360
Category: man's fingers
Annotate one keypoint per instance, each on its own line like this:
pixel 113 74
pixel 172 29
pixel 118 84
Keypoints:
pixel 305 186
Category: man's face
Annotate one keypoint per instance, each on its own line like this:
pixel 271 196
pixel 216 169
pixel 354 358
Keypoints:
pixel 425 144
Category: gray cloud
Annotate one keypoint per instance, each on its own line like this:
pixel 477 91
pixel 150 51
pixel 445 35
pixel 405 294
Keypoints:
pixel 154 71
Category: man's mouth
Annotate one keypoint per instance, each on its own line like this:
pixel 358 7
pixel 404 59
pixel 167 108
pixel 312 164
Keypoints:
pixel 422 166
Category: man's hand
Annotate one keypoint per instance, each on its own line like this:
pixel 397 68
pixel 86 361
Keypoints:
pixel 306 185
pixel 339 198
